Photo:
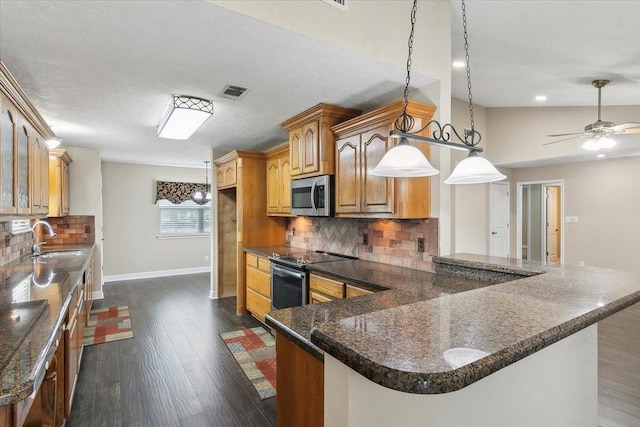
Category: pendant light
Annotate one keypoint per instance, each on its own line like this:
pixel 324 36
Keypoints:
pixel 198 195
pixel 400 161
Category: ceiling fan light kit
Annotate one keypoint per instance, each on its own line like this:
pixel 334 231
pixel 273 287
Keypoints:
pixel 403 160
pixel 600 131
pixel 183 116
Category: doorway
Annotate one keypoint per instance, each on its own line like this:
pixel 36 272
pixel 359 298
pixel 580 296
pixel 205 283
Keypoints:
pixel 499 219
pixel 540 234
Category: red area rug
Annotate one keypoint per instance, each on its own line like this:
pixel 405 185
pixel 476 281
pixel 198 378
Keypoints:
pixel 108 324
pixel 255 351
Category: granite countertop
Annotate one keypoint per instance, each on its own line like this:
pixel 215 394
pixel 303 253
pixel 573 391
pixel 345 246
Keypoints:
pixel 397 338
pixel 39 291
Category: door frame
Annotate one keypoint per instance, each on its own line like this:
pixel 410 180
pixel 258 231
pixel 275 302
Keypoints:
pixel 491 209
pixel 545 184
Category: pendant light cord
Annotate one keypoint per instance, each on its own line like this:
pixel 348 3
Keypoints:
pixel 404 123
pixel 470 135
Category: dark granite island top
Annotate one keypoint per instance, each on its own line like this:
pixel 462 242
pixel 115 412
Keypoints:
pixel 39 291
pixel 398 338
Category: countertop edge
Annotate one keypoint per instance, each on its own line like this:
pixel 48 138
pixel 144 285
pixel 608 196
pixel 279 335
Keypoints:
pixel 24 389
pixel 297 339
pixel 456 379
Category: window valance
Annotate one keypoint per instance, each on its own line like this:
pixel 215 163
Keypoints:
pixel 178 192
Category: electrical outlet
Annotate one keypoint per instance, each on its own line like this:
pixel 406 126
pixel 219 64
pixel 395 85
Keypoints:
pixel 87 229
pixel 420 244
pixel 365 239
pixel 293 232
pixel 206 257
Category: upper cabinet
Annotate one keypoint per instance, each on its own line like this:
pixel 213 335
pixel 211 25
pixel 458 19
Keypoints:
pixel 226 174
pixel 279 181
pixel 311 143
pixel 24 156
pixel 59 182
pixel 360 144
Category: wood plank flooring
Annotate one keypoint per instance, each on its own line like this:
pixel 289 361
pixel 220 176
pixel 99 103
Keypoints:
pixel 178 372
pixel 619 369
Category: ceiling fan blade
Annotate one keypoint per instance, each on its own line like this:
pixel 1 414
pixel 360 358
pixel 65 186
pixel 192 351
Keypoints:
pixel 561 140
pixel 631 130
pixel 627 127
pixel 564 134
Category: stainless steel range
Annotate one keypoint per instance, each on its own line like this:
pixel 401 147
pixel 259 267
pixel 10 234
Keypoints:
pixel 290 278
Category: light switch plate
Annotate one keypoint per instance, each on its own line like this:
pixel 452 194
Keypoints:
pixel 570 219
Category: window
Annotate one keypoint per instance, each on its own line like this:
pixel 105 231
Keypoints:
pixel 188 219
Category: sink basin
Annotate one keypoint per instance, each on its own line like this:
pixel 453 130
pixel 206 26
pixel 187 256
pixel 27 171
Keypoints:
pixel 55 254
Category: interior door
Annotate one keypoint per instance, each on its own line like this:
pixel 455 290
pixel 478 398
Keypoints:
pixel 553 225
pixel 499 219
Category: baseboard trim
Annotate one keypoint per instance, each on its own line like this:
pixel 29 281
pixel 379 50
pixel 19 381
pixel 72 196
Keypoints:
pixel 212 295
pixel 158 273
pixel 97 295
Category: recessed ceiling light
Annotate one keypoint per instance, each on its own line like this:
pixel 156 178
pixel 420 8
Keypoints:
pixel 541 98
pixel 458 64
pixel 601 155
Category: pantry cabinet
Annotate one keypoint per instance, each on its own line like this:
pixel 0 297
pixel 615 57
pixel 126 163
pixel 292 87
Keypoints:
pixel 311 143
pixel 23 170
pixel 279 181
pixel 360 144
pixel 59 161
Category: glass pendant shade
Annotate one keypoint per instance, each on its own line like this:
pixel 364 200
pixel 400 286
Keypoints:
pixel 598 142
pixel 197 195
pixel 474 170
pixel 404 160
pixel 208 196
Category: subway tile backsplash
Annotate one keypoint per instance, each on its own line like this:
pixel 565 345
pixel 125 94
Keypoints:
pixel 392 242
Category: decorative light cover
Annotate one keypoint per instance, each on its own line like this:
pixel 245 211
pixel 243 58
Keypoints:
pixel 53 142
pixel 404 160
pixel 184 115
pixel 474 170
pixel 598 142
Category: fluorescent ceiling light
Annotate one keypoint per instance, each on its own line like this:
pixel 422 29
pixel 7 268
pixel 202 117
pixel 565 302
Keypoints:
pixel 184 115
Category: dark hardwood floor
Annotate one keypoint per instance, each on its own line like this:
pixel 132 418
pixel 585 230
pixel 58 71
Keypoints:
pixel 619 369
pixel 176 371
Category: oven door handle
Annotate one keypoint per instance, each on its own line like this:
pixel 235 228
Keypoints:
pixel 286 272
pixel 314 187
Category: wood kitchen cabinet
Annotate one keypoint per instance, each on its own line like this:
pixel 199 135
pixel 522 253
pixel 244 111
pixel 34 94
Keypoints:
pixel 360 144
pixel 258 278
pixel 242 221
pixel 279 181
pixel 355 291
pixel 323 289
pixel 73 338
pixel 59 161
pixel 226 174
pixel 311 143
pixel 23 133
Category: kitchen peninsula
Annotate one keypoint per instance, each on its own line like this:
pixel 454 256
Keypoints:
pixel 390 357
pixel 43 306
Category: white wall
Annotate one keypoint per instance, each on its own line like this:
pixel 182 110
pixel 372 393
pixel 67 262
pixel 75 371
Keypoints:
pixel 605 196
pixel 131 246
pixel 85 196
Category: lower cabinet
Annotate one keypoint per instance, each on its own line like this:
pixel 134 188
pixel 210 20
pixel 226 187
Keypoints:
pixel 355 291
pixel 258 282
pixel 73 344
pixel 323 289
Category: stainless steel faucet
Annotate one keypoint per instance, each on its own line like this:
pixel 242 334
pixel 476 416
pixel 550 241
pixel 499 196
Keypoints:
pixel 35 248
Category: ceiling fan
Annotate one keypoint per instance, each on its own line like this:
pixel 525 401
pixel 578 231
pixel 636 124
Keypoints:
pixel 599 131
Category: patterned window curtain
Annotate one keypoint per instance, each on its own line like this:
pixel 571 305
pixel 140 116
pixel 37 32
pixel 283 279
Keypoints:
pixel 178 192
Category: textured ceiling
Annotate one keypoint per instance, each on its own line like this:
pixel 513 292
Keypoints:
pixel 102 73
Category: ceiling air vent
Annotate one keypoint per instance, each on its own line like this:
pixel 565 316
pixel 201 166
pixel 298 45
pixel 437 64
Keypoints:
pixel 341 4
pixel 233 91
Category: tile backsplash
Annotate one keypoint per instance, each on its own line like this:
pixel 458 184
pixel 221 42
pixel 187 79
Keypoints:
pixel 388 241
pixel 70 230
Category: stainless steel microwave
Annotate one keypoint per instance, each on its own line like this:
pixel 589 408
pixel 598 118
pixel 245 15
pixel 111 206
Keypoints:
pixel 312 196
